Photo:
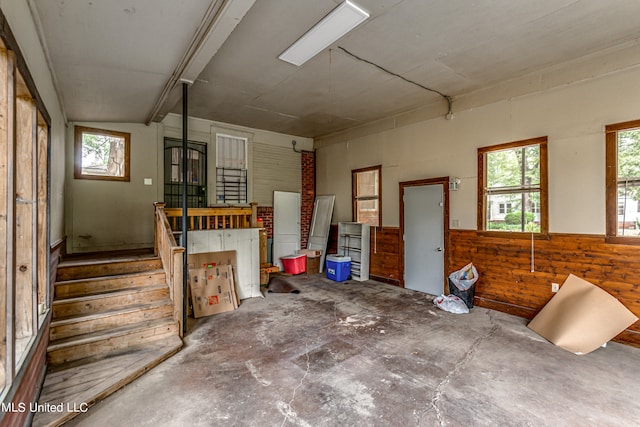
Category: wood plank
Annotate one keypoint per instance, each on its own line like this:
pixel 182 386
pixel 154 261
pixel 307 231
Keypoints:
pixel 10 361
pixel 91 286
pixel 103 302
pixel 102 268
pixel 107 341
pixel 4 209
pixel 41 208
pixel 111 319
pixel 25 218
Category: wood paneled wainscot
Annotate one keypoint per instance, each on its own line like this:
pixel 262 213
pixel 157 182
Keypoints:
pixel 384 251
pixel 384 264
pixel 508 284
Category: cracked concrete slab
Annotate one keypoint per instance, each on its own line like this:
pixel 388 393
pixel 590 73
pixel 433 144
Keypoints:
pixel 370 354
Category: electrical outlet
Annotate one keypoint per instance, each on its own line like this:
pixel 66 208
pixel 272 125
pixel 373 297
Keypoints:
pixel 555 287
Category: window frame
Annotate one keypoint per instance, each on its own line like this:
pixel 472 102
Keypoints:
pixel 355 198
pixel 544 188
pixel 611 178
pixel 79 131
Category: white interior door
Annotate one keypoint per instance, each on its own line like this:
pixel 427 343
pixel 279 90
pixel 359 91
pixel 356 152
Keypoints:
pixel 424 238
pixel 320 225
pixel 286 225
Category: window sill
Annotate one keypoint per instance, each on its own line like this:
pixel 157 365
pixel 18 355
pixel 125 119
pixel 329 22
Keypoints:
pixel 619 240
pixel 514 235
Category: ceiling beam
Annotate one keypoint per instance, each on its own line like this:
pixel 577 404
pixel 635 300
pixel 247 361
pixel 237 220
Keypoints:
pixel 219 21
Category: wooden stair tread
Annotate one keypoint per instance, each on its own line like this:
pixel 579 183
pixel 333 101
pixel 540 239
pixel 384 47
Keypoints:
pixel 95 285
pixel 108 334
pixel 109 277
pixel 111 293
pixel 102 258
pixel 70 270
pixel 92 379
pixel 113 312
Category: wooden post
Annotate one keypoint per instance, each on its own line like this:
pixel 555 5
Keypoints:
pixel 42 197
pixel 178 277
pixel 25 203
pixel 254 214
pixel 6 183
pixel 156 230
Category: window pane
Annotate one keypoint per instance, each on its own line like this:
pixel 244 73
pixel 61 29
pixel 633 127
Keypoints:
pixel 532 166
pixel 504 212
pixel 504 168
pixel 629 154
pixel 367 183
pixel 367 212
pixel 103 155
pixel 628 197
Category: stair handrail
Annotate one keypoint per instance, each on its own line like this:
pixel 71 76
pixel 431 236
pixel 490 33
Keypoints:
pixel 171 254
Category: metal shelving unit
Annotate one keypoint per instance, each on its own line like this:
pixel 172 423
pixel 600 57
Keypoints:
pixel 353 241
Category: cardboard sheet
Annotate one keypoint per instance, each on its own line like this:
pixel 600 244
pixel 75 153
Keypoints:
pixel 581 317
pixel 211 290
pixel 213 259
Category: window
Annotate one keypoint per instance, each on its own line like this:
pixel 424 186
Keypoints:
pixel 512 187
pixel 504 208
pixel 231 169
pixel 367 198
pixel 101 154
pixel 623 181
pixel 535 207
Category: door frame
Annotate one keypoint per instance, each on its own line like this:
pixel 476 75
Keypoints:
pixel 444 181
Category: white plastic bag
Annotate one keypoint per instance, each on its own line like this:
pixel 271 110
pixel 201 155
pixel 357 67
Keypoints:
pixel 451 303
pixel 465 277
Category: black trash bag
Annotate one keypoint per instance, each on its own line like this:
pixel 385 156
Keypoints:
pixel 462 283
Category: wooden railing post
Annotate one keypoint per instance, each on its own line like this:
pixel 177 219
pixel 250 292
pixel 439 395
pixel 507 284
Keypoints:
pixel 158 206
pixel 254 214
pixel 178 297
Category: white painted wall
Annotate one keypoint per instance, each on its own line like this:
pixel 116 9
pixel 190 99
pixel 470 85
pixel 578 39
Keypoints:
pixel 573 117
pixel 24 30
pixel 109 215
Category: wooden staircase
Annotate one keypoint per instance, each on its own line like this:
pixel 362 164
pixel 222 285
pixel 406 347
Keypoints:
pixel 112 320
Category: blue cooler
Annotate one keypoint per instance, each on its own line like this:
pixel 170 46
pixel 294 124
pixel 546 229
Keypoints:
pixel 338 267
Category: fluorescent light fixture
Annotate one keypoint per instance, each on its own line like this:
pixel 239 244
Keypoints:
pixel 336 24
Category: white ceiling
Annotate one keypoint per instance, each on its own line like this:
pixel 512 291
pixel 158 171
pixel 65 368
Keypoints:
pixel 113 58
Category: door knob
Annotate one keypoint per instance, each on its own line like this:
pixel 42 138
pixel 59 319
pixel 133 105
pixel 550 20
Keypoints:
pixel 439 250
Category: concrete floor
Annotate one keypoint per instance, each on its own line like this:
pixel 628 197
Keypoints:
pixel 370 354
